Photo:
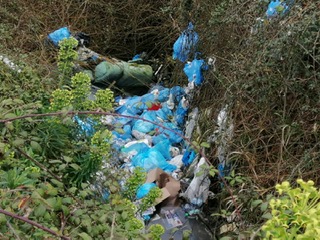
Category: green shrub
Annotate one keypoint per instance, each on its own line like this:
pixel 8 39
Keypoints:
pixel 295 213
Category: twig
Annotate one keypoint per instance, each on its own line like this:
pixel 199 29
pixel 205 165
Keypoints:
pixel 38 164
pixel 35 224
pixel 112 226
pixel 12 230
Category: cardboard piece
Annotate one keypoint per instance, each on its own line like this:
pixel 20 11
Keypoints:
pixel 169 186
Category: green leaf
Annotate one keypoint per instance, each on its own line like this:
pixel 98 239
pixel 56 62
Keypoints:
pixel 57 183
pixel 226 238
pixel 205 145
pixel 213 172
pixel 72 190
pixel 75 166
pixel 2 147
pixel 18 142
pixel 200 173
pixel 67 159
pixel 10 115
pixel 267 215
pixel 36 146
pixel 149 104
pixel 40 211
pixel 84 236
pixel 124 215
pixel 256 203
pixel 264 206
pixel 67 200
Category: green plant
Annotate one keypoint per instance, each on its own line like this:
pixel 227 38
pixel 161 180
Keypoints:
pixel 134 182
pixel 155 231
pixel 67 56
pixel 15 178
pixel 295 213
pixel 150 199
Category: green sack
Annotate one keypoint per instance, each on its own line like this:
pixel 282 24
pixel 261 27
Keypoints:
pixel 107 72
pixel 135 75
pixel 125 75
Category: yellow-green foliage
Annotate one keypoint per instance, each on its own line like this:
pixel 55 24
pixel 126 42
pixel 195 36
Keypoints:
pixel 77 97
pixel 295 214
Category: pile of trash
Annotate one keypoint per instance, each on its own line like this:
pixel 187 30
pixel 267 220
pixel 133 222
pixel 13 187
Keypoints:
pixel 152 131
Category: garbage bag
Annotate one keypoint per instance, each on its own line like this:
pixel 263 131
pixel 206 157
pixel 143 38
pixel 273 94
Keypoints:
pixel 82 38
pixel 108 72
pixel 164 113
pixel 181 112
pixel 128 76
pixel 164 148
pixel 123 133
pixel 177 161
pixel 125 120
pixel 193 70
pixel 56 36
pixel 140 136
pixel 135 148
pixel 152 159
pixel 144 126
pixel 162 134
pixel 198 191
pixel 185 44
pixel 144 189
pixel 135 75
pixel 164 95
pixel 188 157
pixel 278 8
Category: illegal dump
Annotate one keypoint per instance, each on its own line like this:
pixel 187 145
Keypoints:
pixel 176 120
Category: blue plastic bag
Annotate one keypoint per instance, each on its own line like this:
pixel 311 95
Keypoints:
pixel 152 159
pixel 58 35
pixel 164 113
pixel 164 148
pixel 144 126
pixel 163 95
pixel 177 93
pixel 126 135
pixel 137 147
pixel 185 44
pixel 163 134
pixel 277 7
pixel 144 189
pixel 181 112
pixel 188 157
pixel 194 69
pixel 86 125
